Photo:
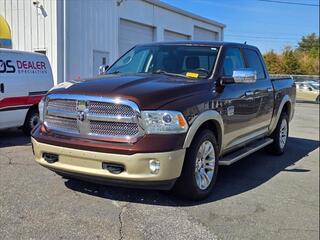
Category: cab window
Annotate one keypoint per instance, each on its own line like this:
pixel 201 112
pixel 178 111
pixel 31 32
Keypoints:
pixel 253 61
pixel 233 61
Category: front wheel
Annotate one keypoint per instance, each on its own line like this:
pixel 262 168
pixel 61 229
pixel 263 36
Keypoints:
pixel 200 167
pixel 280 136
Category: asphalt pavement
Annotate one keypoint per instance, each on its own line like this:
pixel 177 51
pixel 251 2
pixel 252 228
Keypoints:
pixel 259 197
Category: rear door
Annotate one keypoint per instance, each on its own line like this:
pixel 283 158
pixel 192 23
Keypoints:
pixel 264 88
pixel 237 103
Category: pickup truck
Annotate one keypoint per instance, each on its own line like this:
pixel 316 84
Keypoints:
pixel 165 116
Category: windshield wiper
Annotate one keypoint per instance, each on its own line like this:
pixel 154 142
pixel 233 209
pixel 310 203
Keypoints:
pixel 169 74
pixel 115 72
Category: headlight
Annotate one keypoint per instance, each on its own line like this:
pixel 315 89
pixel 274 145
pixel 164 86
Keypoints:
pixel 163 122
pixel 41 108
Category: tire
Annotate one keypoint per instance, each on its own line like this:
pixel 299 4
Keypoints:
pixel 280 136
pixel 318 100
pixel 31 121
pixel 188 184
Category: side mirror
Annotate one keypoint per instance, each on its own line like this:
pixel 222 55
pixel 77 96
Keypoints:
pixel 103 69
pixel 310 89
pixel 245 75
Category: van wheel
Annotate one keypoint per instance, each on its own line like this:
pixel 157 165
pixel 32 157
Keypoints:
pixel 280 136
pixel 200 168
pixel 31 121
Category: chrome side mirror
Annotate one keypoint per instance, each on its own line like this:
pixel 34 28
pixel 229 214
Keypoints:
pixel 103 69
pixel 245 75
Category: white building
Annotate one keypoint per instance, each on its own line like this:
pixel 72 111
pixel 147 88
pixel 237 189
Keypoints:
pixel 80 35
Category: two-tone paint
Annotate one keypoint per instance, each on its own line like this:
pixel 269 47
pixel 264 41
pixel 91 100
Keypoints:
pixel 235 117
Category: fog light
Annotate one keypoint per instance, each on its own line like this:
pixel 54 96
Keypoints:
pixel 154 166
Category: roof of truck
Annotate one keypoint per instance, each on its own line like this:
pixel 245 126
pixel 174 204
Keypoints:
pixel 200 43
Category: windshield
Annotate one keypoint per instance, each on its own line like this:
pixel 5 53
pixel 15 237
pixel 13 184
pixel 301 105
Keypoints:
pixel 187 61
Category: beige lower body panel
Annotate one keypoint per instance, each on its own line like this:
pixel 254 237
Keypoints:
pixel 90 163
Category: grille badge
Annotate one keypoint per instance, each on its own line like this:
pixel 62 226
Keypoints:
pixel 82 121
pixel 81 116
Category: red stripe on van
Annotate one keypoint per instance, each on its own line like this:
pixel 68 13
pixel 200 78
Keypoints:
pixel 20 101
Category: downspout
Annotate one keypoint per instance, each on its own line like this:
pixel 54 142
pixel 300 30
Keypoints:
pixel 64 41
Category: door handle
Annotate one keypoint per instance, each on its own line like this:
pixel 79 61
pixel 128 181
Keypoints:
pixel 2 88
pixel 249 93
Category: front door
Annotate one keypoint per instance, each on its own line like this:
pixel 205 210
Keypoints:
pixel 238 103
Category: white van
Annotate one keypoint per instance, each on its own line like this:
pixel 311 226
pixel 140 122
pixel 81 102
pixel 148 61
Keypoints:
pixel 25 78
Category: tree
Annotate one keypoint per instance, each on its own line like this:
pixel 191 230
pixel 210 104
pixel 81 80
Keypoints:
pixel 290 62
pixel 302 60
pixel 273 62
pixel 309 47
pixel 310 44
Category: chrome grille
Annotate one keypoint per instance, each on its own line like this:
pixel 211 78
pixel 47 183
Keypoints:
pixel 113 128
pixel 62 124
pixel 93 117
pixel 62 104
pixel 110 109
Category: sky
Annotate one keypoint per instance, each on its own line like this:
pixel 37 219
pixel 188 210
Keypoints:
pixel 265 24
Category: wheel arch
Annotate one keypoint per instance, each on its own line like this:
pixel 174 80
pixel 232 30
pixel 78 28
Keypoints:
pixel 210 119
pixel 286 105
pixel 287 108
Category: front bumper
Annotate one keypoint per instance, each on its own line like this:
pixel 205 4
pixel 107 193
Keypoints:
pixel 87 165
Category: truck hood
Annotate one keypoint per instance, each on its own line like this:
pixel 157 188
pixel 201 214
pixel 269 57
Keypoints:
pixel 149 91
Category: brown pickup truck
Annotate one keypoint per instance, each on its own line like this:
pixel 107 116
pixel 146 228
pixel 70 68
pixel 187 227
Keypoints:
pixel 165 115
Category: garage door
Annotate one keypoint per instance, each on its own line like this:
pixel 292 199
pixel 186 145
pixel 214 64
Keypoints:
pixel 174 36
pixel 132 33
pixel 202 34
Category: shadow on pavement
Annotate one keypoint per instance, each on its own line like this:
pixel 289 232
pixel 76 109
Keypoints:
pixel 13 137
pixel 238 178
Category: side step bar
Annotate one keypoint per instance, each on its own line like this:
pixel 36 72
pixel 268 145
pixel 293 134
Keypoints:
pixel 243 152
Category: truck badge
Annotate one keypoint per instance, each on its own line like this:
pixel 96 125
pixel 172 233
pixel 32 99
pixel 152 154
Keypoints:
pixel 81 116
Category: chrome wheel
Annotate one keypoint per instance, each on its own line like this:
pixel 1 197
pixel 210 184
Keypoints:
pixel 205 165
pixel 283 133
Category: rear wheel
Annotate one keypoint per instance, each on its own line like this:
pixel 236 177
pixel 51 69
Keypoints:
pixel 200 167
pixel 318 100
pixel 280 136
pixel 31 121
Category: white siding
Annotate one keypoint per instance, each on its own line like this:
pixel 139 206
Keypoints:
pixel 91 26
pixel 131 33
pixel 30 30
pixel 163 19
pixel 174 36
pixel 204 34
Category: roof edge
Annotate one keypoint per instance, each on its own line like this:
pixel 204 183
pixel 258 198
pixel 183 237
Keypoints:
pixel 169 7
